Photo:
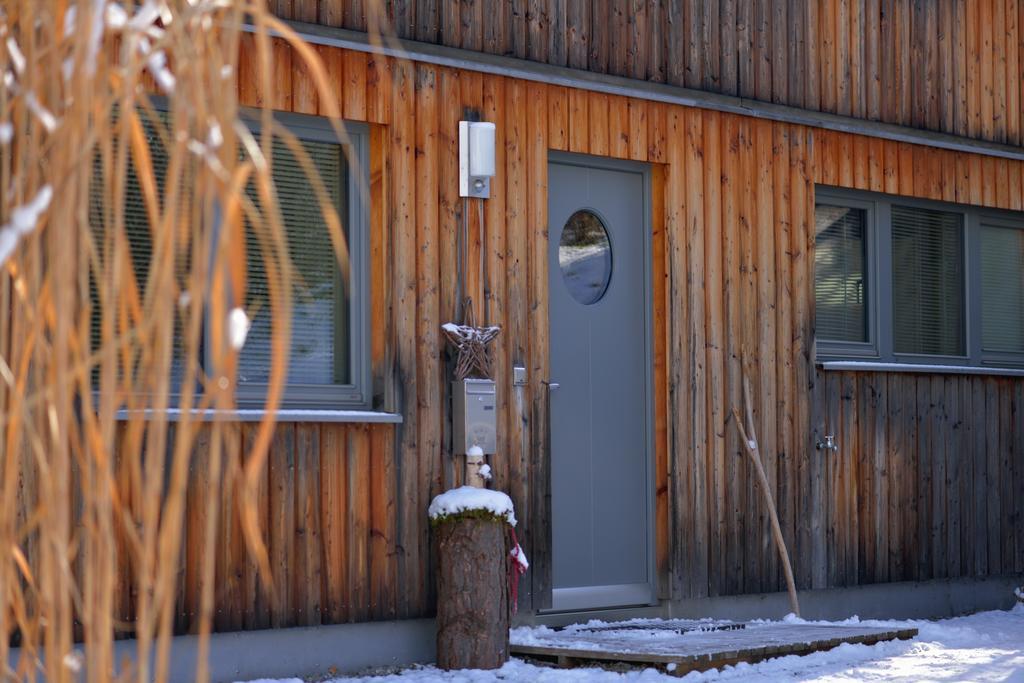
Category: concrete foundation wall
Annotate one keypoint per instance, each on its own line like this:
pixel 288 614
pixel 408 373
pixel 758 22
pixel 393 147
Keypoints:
pixel 349 648
pixel 904 600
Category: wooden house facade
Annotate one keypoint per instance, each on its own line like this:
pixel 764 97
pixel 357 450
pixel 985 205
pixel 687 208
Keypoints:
pixel 741 116
pixel 925 483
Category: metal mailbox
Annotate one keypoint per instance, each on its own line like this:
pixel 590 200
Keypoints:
pixel 473 415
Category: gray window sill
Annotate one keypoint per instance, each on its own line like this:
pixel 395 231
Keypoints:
pixel 257 414
pixel 870 366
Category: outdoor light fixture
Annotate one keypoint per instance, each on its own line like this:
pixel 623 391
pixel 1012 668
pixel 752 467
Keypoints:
pixel 476 158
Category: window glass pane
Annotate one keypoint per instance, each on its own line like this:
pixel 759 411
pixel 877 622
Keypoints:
pixel 138 234
pixel 319 347
pixel 840 276
pixel 585 257
pixel 928 282
pixel 1002 289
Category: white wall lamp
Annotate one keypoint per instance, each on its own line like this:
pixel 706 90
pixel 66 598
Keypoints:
pixel 476 158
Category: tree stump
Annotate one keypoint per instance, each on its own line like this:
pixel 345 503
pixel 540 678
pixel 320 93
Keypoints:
pixel 472 593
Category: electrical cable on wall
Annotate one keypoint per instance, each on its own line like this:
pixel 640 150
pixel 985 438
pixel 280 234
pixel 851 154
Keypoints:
pixel 460 274
pixel 484 285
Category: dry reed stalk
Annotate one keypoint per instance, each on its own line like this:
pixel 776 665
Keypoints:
pixel 94 477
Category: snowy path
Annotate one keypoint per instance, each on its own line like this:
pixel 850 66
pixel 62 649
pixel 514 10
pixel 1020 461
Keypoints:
pixel 982 647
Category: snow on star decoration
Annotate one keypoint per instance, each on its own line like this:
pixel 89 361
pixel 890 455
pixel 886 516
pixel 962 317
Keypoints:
pixel 472 344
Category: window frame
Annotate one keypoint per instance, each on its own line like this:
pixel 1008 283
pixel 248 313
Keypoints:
pixel 1000 358
pixel 868 348
pixel 356 394
pixel 879 267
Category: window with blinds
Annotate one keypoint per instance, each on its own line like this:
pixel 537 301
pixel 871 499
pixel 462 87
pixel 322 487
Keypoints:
pixel 906 281
pixel 840 275
pixel 1002 289
pixel 327 363
pixel 320 302
pixel 928 282
pixel 138 234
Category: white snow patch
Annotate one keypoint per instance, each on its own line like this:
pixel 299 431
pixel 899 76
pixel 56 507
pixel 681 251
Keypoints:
pixel 95 35
pixel 8 241
pixel 44 115
pixel 485 472
pixel 156 62
pixel 520 558
pixel 23 218
pixel 70 17
pixel 73 661
pixel 23 221
pixel 6 133
pixel 116 17
pixel 144 22
pixel 145 17
pixel 215 138
pixel 238 328
pixel 468 331
pixel 467 498
pixel 17 56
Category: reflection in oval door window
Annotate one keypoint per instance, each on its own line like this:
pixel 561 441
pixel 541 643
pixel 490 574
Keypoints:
pixel 585 257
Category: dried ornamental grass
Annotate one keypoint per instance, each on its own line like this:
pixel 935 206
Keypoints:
pixel 87 346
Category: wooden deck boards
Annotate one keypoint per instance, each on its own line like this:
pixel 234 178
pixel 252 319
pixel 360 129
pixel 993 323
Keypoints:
pixel 693 649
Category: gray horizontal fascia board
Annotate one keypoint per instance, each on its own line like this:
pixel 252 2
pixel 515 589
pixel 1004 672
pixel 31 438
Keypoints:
pixel 511 67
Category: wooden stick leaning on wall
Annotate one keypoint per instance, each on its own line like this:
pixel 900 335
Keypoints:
pixel 750 445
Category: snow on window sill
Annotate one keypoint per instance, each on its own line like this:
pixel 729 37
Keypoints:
pixel 869 366
pixel 257 414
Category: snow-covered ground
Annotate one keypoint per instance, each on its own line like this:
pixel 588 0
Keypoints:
pixel 982 647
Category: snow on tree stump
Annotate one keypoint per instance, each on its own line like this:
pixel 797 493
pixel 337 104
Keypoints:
pixel 471 531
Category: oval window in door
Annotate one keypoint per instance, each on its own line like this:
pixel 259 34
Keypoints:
pixel 585 257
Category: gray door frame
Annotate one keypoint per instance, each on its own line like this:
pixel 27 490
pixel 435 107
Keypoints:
pixel 583 598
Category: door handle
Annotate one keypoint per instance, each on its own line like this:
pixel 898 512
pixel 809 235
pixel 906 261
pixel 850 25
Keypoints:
pixel 550 385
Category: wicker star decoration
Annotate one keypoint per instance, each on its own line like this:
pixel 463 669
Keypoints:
pixel 472 344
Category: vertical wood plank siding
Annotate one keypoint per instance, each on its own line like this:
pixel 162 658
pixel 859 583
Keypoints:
pixel 923 483
pixel 947 65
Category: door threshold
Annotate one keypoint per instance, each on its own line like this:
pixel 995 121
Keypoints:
pixel 590 598
pixel 553 618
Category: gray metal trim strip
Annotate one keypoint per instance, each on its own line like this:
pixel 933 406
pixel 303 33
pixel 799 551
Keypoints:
pixel 867 366
pixel 258 414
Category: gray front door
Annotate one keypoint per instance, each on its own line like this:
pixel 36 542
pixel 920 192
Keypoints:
pixel 598 316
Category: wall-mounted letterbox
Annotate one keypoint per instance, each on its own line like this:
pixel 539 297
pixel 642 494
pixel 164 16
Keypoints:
pixel 474 415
